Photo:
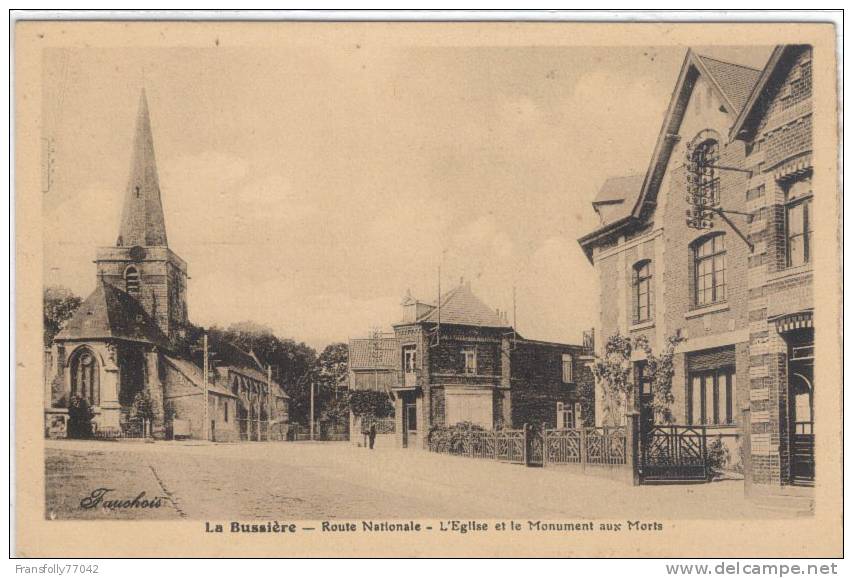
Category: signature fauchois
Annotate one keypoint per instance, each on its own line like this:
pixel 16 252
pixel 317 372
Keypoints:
pixel 97 498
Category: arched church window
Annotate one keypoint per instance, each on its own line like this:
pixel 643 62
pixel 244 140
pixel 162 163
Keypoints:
pixel 85 382
pixel 131 280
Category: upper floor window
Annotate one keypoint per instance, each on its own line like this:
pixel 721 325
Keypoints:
pixel 709 264
pixel 410 359
pixel 798 226
pixel 131 280
pixel 470 355
pixel 567 368
pixel 642 285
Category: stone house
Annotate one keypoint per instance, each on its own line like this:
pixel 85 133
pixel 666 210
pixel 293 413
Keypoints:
pixel 130 334
pixel 461 361
pixel 737 291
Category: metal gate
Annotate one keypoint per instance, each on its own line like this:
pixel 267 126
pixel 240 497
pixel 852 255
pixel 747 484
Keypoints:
pixel 674 453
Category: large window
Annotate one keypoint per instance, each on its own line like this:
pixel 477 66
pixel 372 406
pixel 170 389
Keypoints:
pixel 85 381
pixel 709 259
pixel 711 397
pixel 798 223
pixel 642 284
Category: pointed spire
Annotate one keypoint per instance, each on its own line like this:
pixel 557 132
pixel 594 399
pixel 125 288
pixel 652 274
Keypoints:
pixel 142 221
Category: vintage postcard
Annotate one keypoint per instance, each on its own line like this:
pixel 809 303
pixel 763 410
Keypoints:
pixel 427 289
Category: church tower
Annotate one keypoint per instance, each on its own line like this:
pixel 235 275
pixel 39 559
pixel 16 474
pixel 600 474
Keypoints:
pixel 141 263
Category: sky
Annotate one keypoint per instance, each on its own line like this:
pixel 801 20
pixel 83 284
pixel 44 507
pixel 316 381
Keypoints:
pixel 310 187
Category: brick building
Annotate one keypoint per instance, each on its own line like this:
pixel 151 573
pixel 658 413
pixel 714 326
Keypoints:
pixel 739 291
pixel 776 129
pixel 462 362
pixel 130 335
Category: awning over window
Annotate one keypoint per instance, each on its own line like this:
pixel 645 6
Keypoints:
pixel 793 168
pixel 794 321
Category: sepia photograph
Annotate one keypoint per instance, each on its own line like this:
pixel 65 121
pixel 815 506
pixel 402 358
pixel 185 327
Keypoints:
pixel 563 284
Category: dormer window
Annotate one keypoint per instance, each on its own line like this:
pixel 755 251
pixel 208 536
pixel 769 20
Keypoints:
pixel 131 280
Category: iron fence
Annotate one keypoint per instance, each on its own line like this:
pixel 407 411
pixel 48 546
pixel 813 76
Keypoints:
pixel 598 446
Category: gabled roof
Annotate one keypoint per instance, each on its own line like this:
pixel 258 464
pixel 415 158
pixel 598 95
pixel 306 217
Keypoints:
pixel 142 220
pixel 752 109
pixel 195 375
pixel 226 355
pixel 617 197
pixel 735 81
pixel 460 306
pixel 110 313
pixel 730 81
pixel 381 353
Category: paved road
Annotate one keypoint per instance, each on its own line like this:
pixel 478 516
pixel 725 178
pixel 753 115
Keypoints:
pixel 338 481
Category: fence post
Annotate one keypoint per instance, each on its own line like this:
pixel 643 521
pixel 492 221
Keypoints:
pixel 746 449
pixel 544 446
pixel 632 447
pixel 583 449
pixel 524 444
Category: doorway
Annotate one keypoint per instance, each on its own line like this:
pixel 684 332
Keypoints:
pixel 801 406
pixel 410 423
pixel 801 403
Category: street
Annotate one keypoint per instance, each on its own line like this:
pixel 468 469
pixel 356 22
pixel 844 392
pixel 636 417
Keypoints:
pixel 329 480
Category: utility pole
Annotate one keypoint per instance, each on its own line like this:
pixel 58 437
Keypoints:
pixel 206 409
pixel 312 411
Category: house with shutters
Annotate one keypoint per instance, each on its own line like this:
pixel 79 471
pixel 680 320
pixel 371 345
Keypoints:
pixel 131 335
pixel 458 360
pixel 734 285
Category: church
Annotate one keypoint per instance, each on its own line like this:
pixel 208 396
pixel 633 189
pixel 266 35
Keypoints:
pixel 131 336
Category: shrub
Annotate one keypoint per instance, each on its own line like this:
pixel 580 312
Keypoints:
pixel 80 415
pixel 367 403
pixel 718 456
pixel 455 439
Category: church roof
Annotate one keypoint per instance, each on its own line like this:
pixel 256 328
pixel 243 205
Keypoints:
pixel 142 220
pixel 110 313
pixel 195 375
pixel 460 306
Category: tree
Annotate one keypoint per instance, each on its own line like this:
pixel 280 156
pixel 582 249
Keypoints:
pixel 370 404
pixel 660 370
pixel 144 408
pixel 332 364
pixel 59 304
pixel 294 365
pixel 614 373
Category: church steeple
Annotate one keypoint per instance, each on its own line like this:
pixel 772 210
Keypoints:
pixel 142 221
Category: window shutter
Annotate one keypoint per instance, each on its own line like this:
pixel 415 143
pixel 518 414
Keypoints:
pixel 561 422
